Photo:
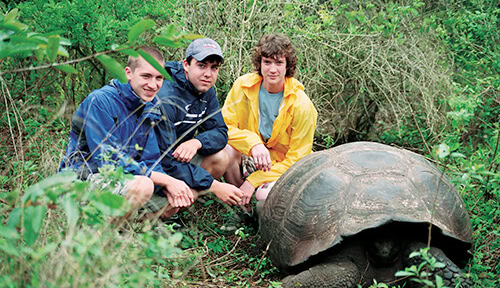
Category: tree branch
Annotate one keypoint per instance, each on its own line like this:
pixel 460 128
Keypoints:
pixel 31 68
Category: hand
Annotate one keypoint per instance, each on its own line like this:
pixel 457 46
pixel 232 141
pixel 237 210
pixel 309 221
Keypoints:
pixel 248 190
pixel 186 151
pixel 261 157
pixel 226 192
pixel 178 193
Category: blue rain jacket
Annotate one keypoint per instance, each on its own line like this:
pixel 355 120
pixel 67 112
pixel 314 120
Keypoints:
pixel 195 115
pixel 112 126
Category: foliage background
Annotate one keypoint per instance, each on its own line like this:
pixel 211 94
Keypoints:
pixel 422 75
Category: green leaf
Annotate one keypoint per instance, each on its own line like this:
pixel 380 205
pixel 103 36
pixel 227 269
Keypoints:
pixel 151 60
pixel 138 29
pixel 438 265
pixel 66 68
pixel 413 11
pixel 7 247
pixel 170 31
pixel 130 52
pixel 33 220
pixel 191 36
pixel 109 203
pixel 403 274
pixel 13 25
pixel 62 51
pixel 439 281
pixel 39 55
pixel 71 209
pixel 37 190
pixel 428 283
pixel 17 49
pixel 14 218
pixel 52 47
pixel 176 238
pixel 443 150
pixel 65 41
pixel 457 155
pixel 11 15
pixel 414 254
pixel 32 38
pixel 165 41
pixel 8 233
pixel 113 67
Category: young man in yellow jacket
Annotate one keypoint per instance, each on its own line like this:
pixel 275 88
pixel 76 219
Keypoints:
pixel 271 120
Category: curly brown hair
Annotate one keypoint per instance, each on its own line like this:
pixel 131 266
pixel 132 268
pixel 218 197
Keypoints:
pixel 275 46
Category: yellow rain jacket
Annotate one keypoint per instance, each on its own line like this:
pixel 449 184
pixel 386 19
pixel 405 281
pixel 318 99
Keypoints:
pixel 293 129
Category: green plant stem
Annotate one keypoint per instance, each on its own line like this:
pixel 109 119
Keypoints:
pixel 260 262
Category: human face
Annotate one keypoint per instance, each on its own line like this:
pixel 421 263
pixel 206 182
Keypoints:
pixel 202 74
pixel 273 71
pixel 145 80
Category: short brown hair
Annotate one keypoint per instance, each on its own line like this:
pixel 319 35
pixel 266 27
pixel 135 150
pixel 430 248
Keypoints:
pixel 132 61
pixel 275 46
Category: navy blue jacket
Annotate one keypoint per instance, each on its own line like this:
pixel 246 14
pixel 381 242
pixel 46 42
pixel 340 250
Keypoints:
pixel 189 113
pixel 112 126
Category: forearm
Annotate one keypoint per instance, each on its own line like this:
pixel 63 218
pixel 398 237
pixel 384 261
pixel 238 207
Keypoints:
pixel 161 179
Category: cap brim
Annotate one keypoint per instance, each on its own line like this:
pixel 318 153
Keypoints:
pixel 203 56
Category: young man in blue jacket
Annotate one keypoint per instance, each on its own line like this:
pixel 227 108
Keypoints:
pixel 195 135
pixel 114 125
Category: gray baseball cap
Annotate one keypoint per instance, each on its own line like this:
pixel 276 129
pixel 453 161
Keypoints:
pixel 202 48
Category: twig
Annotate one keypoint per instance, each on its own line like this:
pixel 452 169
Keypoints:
pixel 440 180
pixel 223 256
pixel 33 68
pixel 488 194
pixel 202 268
pixel 415 119
pixel 260 262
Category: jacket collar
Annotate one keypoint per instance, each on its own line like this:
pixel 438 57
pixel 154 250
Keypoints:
pixel 291 84
pixel 132 101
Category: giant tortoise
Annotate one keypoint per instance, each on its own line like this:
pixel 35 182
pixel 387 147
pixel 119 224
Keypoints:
pixel 352 214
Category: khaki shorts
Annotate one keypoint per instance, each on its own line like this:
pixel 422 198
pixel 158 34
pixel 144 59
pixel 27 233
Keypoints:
pixel 157 201
pixel 247 168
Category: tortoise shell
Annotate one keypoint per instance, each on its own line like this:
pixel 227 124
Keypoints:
pixel 336 193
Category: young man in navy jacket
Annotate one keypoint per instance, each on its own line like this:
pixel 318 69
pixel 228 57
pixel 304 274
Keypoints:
pixel 114 125
pixel 195 134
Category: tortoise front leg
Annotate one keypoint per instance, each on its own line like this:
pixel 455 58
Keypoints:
pixel 450 273
pixel 338 274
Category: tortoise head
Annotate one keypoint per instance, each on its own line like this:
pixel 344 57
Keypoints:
pixel 382 249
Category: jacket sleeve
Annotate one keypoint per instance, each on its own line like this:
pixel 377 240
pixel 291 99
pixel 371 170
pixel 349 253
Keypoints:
pixel 194 176
pixel 104 139
pixel 236 109
pixel 152 153
pixel 213 131
pixel 301 142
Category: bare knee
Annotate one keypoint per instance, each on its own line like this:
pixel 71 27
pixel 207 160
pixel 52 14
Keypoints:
pixel 263 191
pixel 140 190
pixel 234 156
pixel 233 172
pixel 216 164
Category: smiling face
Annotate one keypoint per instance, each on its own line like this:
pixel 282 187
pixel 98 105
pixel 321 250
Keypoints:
pixel 145 80
pixel 202 74
pixel 273 70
